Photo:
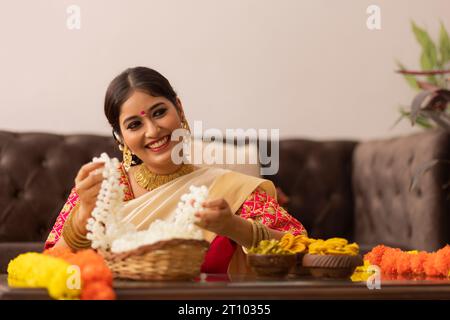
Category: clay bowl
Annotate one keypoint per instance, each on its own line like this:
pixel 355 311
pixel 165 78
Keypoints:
pixel 331 266
pixel 271 265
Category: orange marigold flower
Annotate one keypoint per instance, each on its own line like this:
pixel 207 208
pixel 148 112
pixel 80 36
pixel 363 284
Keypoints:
pixel 95 272
pixel 389 260
pixel 429 265
pixel 417 261
pixel 59 252
pixel 375 256
pixel 98 291
pixel 403 263
pixel 442 261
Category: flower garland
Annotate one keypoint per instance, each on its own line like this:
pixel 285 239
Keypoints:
pixel 53 270
pixel 36 270
pixel 393 261
pixel 108 231
pixel 180 226
pixel 96 277
pixel 396 261
pixel 105 225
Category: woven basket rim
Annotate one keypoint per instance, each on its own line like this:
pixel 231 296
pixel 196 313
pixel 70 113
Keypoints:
pixel 160 245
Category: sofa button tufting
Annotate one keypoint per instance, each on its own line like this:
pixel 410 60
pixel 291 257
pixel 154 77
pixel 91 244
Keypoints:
pixel 390 162
pixel 418 192
pixel 44 163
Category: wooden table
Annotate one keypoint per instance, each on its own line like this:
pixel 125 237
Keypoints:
pixel 246 287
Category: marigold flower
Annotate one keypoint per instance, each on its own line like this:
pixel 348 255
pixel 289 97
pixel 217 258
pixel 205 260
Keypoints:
pixel 403 263
pixel 36 270
pixel 417 262
pixel 388 262
pixel 411 263
pixel 93 270
pixel 442 261
pixel 375 256
pixel 98 291
pixel 429 266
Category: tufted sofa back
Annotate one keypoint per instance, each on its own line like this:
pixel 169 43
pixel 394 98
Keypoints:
pixel 386 209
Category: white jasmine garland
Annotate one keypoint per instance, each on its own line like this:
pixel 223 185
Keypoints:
pixel 107 230
pixel 105 225
pixel 181 226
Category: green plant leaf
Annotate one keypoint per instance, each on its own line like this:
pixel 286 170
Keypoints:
pixel 412 81
pixel 444 45
pixel 420 120
pixel 403 114
pixel 427 64
pixel 424 122
pixel 428 59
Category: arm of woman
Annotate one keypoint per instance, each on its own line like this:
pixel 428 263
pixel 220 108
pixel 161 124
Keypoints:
pixel 80 203
pixel 263 208
pixel 242 232
pixel 55 238
pixel 259 206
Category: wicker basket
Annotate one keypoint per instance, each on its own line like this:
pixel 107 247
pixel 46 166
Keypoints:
pixel 175 259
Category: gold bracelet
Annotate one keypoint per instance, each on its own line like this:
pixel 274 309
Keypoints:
pixel 74 239
pixel 259 232
pixel 263 231
pixel 266 232
pixel 72 236
pixel 254 233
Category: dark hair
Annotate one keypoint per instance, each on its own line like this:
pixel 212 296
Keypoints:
pixel 122 86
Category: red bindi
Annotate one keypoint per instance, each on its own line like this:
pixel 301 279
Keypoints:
pixel 142 113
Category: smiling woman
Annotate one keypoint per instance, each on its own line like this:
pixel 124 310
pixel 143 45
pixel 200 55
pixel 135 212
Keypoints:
pixel 146 124
pixel 144 111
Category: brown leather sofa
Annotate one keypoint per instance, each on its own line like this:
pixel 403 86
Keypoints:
pixel 351 189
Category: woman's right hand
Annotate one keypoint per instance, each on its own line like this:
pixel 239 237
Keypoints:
pixel 87 186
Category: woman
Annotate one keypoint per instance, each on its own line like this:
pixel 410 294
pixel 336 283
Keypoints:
pixel 144 110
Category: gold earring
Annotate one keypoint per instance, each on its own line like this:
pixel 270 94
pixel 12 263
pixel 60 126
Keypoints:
pixel 184 124
pixel 127 157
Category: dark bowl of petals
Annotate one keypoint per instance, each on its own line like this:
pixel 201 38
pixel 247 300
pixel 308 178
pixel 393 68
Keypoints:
pixel 271 265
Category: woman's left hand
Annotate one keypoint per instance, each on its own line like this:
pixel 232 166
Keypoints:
pixel 216 216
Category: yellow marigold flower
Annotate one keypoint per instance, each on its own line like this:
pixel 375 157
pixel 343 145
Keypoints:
pixel 36 270
pixel 361 273
pixel 336 246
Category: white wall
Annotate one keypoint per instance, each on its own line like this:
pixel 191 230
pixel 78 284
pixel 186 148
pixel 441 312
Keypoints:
pixel 310 68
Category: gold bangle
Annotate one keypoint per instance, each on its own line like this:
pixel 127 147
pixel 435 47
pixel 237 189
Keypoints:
pixel 263 232
pixel 72 236
pixel 258 232
pixel 254 233
pixel 266 232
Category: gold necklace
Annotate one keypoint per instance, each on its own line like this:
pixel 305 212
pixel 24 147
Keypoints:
pixel 149 180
